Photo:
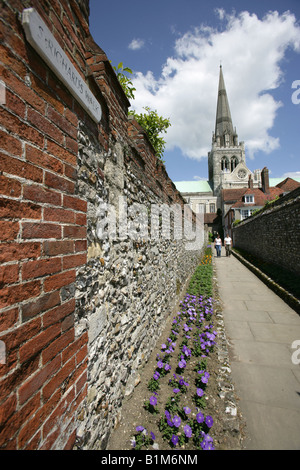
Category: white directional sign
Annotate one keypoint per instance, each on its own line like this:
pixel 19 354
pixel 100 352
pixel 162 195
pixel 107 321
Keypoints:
pixel 43 41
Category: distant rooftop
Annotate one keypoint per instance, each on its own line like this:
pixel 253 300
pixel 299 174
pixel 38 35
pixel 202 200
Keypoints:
pixel 275 181
pixel 203 186
pixel 200 186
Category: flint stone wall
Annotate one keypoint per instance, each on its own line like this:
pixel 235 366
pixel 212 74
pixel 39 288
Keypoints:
pixel 125 291
pixel 274 235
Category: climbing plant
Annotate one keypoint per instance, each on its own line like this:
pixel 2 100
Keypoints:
pixel 124 80
pixel 150 121
pixel 154 125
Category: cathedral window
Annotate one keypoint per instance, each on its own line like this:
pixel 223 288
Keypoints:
pixel 224 164
pixel 234 162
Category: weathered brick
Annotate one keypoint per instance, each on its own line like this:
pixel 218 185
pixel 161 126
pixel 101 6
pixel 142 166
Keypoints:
pixel 24 91
pixel 15 104
pixel 73 231
pixel 72 145
pixel 57 346
pixel 38 193
pixel 68 323
pixel 40 230
pixel 81 382
pixel 62 122
pixel 59 215
pixel 39 268
pixel 45 126
pixel 57 150
pixel 58 182
pixel 53 421
pixel 57 381
pixel 74 203
pixel 8 319
pixel 81 219
pixel 7 408
pixel 70 172
pixel 80 245
pixel 61 247
pixel 15 294
pixel 74 261
pixel 35 345
pixel 40 158
pixel 25 131
pixel 9 230
pixel 9 274
pixel 59 313
pixel 14 166
pixel 34 425
pixel 42 304
pixel 36 382
pixel 10 187
pixel 13 209
pixel 10 144
pixel 19 251
pixel 56 281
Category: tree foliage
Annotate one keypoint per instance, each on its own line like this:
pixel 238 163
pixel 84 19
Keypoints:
pixel 154 125
pixel 124 80
pixel 150 121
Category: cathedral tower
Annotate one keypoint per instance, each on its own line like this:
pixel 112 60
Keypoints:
pixel 226 160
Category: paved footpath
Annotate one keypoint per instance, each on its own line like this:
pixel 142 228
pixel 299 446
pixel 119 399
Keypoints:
pixel 261 329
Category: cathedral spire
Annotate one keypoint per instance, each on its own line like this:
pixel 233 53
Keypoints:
pixel 224 128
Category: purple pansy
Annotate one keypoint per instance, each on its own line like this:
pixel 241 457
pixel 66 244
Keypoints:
pixel 187 430
pixel 176 421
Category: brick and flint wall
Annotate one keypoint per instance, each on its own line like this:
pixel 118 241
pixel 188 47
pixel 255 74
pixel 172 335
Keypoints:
pixel 79 313
pixel 274 234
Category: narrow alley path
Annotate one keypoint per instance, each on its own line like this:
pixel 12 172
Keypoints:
pixel 261 329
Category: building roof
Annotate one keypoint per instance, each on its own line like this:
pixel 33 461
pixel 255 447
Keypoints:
pixel 231 195
pixel 260 198
pixel 201 186
pixel 289 184
pixel 211 218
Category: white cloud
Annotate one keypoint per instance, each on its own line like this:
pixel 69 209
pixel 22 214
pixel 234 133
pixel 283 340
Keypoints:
pixel 251 50
pixel 136 44
pixel 199 178
pixel 292 174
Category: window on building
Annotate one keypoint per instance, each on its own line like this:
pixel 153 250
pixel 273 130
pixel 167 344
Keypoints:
pixel 212 208
pixel 224 164
pixel 201 208
pixel 246 213
pixel 234 162
pixel 249 198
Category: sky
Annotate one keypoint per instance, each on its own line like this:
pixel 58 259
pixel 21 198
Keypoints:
pixel 174 49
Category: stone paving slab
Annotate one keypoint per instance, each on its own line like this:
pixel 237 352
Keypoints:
pixel 260 329
pixel 279 431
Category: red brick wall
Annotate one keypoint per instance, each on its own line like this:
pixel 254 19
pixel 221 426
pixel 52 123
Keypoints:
pixel 43 236
pixel 43 221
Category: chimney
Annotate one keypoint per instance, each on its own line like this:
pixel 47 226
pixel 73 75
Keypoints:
pixel 265 180
pixel 250 182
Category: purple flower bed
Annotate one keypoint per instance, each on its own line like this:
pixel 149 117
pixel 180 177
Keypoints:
pixel 184 424
pixel 183 356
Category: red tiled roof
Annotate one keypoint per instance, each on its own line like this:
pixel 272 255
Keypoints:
pixel 232 195
pixel 260 198
pixel 210 217
pixel 288 184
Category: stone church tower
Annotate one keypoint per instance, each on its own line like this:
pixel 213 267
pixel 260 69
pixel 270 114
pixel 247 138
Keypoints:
pixel 226 160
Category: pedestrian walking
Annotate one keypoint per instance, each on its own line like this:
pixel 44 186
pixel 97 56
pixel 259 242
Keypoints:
pixel 218 245
pixel 228 244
